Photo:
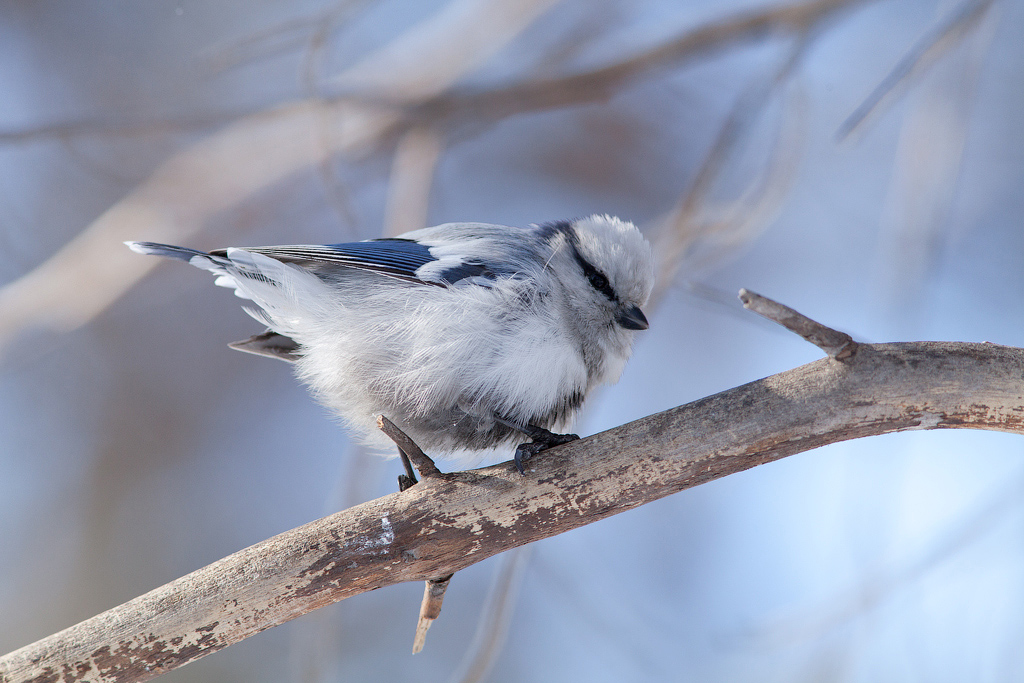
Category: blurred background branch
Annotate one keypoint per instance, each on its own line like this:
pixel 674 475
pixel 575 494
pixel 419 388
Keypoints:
pixel 249 155
pixel 229 166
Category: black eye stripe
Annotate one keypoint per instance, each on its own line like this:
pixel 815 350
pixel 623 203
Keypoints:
pixel 597 279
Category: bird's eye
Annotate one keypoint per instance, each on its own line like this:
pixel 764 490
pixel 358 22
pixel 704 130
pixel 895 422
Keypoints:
pixel 598 281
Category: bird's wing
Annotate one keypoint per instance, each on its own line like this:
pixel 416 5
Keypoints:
pixel 396 257
pixel 467 254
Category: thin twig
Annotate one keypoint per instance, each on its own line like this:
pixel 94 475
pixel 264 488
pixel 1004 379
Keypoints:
pixel 430 609
pixel 112 127
pixel 424 465
pixel 928 164
pixel 838 345
pixel 335 192
pixel 284 36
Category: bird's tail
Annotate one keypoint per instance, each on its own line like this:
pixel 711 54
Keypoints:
pixel 199 259
pixel 283 292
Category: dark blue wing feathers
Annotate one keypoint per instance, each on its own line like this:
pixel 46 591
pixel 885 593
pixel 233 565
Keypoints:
pixel 405 256
pixel 471 269
pixel 391 256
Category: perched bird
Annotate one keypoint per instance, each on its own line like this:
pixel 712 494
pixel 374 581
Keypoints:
pixel 465 335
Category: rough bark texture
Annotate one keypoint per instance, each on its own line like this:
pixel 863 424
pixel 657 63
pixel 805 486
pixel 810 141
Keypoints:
pixel 449 522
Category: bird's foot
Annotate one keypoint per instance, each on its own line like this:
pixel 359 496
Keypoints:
pixel 542 440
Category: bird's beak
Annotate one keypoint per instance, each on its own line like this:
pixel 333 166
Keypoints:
pixel 632 318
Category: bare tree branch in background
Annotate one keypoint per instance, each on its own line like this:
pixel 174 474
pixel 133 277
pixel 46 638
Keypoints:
pixel 250 155
pixel 919 211
pixel 600 84
pixel 698 221
pixel 402 84
pixel 412 174
pixel 495 617
pixel 937 42
pixel 928 162
pixel 451 521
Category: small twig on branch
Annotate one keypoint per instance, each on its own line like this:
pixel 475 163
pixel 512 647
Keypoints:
pixel 838 345
pixel 430 609
pixel 424 465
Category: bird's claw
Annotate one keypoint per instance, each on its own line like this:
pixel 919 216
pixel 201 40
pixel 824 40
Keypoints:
pixel 541 442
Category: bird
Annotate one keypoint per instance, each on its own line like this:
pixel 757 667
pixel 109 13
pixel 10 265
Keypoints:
pixel 467 336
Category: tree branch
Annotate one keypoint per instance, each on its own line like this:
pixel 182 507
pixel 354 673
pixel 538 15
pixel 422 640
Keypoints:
pixel 451 521
pixel 836 344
